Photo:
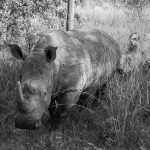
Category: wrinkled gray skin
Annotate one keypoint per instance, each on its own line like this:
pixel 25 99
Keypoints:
pixel 60 67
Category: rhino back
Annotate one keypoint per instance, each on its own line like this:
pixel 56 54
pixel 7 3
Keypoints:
pixel 83 57
pixel 101 54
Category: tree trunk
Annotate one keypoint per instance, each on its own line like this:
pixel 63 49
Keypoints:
pixel 70 15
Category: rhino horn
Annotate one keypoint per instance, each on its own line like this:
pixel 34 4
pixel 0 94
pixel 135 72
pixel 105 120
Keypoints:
pixel 20 91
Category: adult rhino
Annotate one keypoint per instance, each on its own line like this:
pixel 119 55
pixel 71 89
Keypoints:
pixel 59 68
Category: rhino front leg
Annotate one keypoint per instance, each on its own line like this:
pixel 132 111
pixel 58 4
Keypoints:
pixel 64 102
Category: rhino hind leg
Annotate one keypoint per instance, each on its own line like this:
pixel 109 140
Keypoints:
pixel 64 104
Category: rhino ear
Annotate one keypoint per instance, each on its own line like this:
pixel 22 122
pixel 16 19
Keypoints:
pixel 50 53
pixel 17 52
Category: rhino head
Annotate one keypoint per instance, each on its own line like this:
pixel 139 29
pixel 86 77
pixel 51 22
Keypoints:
pixel 34 86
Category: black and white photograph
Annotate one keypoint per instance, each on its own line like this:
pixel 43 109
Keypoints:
pixel 74 74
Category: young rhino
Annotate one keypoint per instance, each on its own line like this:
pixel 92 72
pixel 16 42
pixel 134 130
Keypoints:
pixel 59 68
pixel 133 57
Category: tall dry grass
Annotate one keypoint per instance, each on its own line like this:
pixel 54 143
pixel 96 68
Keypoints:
pixel 128 95
pixel 117 21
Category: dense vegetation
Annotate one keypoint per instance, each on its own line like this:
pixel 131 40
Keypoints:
pixel 119 118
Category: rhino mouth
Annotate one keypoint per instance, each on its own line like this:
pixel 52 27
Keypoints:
pixel 25 122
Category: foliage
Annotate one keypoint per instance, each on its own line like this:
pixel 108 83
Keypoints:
pixel 24 20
